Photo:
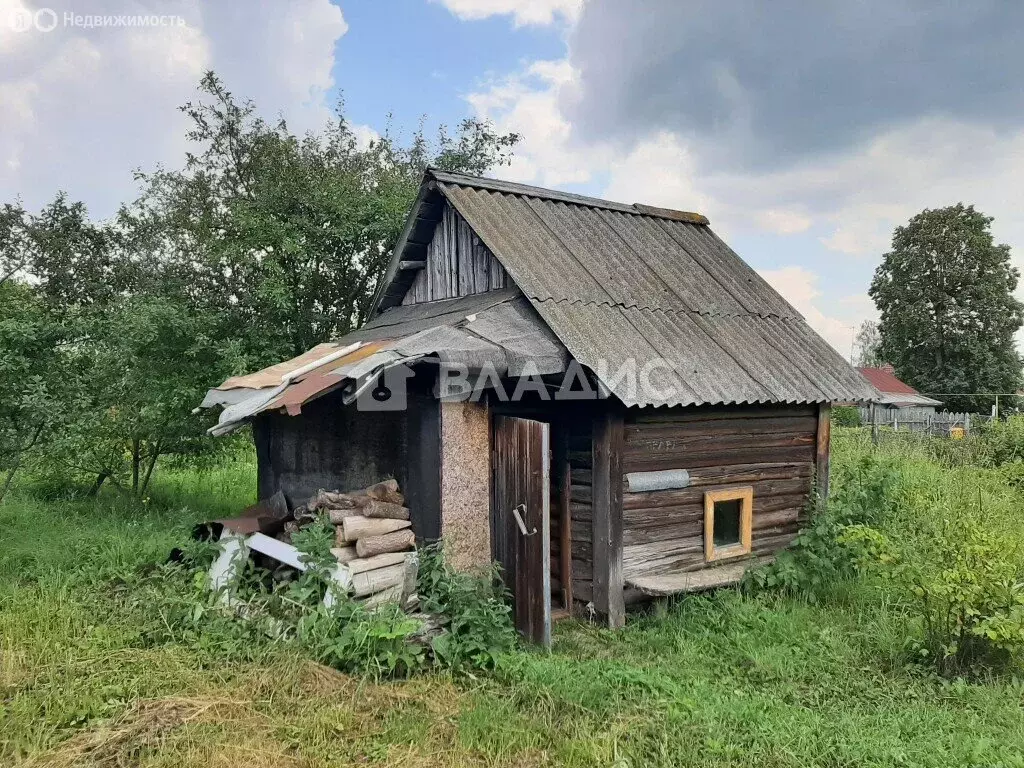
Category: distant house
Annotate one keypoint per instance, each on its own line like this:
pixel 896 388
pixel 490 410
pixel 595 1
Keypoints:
pixel 894 396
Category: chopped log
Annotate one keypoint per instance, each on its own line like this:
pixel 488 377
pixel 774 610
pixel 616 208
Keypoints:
pixel 386 510
pixel 361 564
pixel 345 554
pixel 389 595
pixel 389 542
pixel 359 527
pixel 336 500
pixel 338 515
pixel 370 582
pixel 386 491
pixel 409 579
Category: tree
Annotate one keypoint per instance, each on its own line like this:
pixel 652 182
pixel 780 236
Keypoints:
pixel 35 394
pixel 948 314
pixel 261 246
pixel 287 237
pixel 868 343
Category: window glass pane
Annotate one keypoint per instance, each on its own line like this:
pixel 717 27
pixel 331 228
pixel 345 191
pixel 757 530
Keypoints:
pixel 727 522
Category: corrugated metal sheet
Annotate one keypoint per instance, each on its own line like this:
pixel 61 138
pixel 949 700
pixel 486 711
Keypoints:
pixel 885 381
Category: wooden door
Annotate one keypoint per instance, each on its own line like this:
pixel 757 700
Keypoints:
pixel 520 520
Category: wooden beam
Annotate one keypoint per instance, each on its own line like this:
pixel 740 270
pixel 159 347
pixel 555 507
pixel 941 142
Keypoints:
pixel 565 519
pixel 822 452
pixel 607 522
pixel 411 266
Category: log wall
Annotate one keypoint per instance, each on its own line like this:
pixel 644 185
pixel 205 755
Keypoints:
pixel 580 507
pixel 770 448
pixel 458 264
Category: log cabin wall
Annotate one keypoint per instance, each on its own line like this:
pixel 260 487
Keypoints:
pixel 457 264
pixel 578 431
pixel 772 449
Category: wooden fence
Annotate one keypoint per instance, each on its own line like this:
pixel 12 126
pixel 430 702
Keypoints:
pixel 923 420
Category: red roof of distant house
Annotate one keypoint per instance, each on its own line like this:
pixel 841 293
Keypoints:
pixel 884 380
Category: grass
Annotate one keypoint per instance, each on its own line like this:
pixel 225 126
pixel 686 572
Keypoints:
pixel 94 673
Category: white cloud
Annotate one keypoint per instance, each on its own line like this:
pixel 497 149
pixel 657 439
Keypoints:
pixel 82 107
pixel 527 103
pixel 783 221
pixel 800 288
pixel 523 12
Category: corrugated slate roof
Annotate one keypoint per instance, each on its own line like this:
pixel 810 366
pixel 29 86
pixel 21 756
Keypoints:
pixel 715 359
pixel 619 282
pixel 569 251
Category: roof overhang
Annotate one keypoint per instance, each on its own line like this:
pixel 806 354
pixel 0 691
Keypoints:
pixel 498 331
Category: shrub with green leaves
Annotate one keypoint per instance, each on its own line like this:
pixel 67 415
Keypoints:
pixel 964 588
pixel 818 558
pixel 480 629
pixel 845 416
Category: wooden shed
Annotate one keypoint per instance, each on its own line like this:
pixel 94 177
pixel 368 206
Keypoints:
pixel 644 414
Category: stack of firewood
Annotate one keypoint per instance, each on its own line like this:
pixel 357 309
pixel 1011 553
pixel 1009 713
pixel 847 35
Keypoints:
pixel 374 540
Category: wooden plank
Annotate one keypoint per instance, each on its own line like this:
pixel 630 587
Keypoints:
pixel 754 455
pixel 751 426
pixel 699 444
pixel 713 413
pixel 696 581
pixel 680 497
pixel 607 524
pixel 566 528
pixel 821 460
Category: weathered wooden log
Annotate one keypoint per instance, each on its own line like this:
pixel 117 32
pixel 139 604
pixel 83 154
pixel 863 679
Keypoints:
pixel 345 554
pixel 360 564
pixel 359 527
pixel 370 582
pixel 409 580
pixel 338 515
pixel 385 491
pixel 389 542
pixel 389 595
pixel 336 500
pixel 385 509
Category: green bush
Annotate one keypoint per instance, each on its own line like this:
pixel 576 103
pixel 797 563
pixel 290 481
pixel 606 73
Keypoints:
pixel 1004 439
pixel 383 642
pixel 480 631
pixel 846 416
pixel 965 592
pixel 818 558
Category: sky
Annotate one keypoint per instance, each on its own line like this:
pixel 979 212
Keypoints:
pixel 805 131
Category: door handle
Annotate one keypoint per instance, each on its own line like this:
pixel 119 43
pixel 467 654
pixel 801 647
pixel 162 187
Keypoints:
pixel 517 513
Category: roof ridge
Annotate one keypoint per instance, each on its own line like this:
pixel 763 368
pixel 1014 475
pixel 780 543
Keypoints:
pixel 643 307
pixel 543 193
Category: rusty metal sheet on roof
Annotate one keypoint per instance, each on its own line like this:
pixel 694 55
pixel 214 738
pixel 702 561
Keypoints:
pixel 271 377
pixel 566 251
pixel 500 330
pixel 709 359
